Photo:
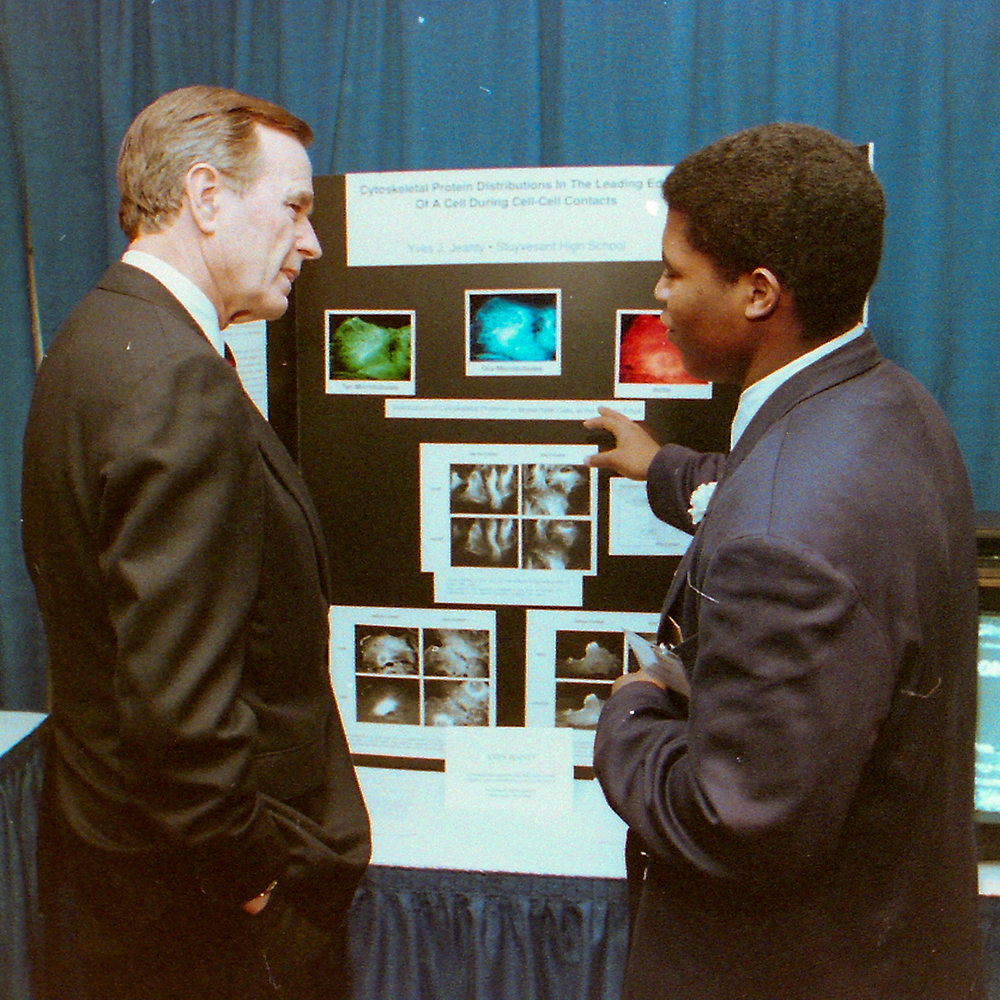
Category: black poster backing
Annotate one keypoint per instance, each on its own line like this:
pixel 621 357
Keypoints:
pixel 363 468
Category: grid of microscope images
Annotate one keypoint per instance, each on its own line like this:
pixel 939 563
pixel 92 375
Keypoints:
pixel 422 676
pixel 521 516
pixel 587 663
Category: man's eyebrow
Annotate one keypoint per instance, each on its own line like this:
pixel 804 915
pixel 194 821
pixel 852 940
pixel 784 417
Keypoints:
pixel 303 197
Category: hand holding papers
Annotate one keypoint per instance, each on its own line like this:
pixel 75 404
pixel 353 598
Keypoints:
pixel 659 664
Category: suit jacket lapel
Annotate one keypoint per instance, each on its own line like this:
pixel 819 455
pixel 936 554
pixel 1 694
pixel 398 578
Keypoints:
pixel 287 473
pixel 671 603
pixel 848 361
pixel 127 280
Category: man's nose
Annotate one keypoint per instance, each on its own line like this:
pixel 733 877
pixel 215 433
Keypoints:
pixel 308 243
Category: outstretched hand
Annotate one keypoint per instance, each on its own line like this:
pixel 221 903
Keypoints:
pixel 634 447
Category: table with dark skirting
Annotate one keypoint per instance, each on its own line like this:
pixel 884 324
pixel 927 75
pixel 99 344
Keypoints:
pixel 417 933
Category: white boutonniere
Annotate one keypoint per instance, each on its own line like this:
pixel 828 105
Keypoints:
pixel 699 501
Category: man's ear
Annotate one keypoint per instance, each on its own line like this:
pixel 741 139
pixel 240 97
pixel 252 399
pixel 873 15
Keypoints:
pixel 764 293
pixel 202 186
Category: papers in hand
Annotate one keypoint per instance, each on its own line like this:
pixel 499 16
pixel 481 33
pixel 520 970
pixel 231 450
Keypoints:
pixel 660 663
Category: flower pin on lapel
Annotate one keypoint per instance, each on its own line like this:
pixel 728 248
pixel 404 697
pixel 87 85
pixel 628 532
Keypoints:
pixel 699 501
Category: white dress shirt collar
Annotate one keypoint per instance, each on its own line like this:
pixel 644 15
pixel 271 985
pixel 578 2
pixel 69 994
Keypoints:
pixel 194 300
pixel 754 396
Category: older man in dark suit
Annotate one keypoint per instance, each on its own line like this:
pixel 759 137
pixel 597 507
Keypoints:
pixel 797 774
pixel 200 803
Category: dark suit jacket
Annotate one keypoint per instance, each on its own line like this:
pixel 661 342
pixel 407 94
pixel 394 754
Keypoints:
pixel 809 813
pixel 183 581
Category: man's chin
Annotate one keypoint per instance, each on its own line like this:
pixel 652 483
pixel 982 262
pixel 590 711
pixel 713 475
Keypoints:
pixel 266 311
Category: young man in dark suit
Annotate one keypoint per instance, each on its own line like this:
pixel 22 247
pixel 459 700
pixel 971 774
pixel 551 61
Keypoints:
pixel 200 806
pixel 801 822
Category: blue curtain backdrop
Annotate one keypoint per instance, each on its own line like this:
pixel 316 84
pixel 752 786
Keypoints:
pixel 417 84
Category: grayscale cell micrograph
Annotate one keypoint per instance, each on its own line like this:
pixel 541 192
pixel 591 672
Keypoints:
pixel 485 542
pixel 391 651
pixel 422 676
pixel 587 663
pixel 578 706
pixel 456 703
pixel 552 543
pixel 388 700
pixel 484 489
pixel 556 490
pixel 589 655
pixel 456 652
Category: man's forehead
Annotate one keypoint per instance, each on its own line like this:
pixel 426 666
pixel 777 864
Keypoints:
pixel 675 231
pixel 286 169
pixel 284 148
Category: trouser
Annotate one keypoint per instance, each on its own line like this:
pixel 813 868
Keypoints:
pixel 100 943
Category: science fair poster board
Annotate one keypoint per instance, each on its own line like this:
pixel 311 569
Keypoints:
pixel 457 331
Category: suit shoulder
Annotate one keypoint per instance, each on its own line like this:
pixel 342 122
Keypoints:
pixel 116 355
pixel 883 417
pixel 112 340
pixel 106 321
pixel 854 469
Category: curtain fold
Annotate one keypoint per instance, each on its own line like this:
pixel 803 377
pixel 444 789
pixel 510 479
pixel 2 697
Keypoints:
pixel 404 84
pixel 22 675
pixel 458 935
pixel 21 770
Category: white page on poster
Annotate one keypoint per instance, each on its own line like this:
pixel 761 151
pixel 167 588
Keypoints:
pixel 514 517
pixel 505 216
pixel 633 529
pixel 509 409
pixel 509 769
pixel 248 342
pixel 571 660
pixel 402 676
pixel 413 829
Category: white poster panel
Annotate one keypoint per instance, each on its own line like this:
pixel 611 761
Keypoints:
pixel 512 521
pixel 633 529
pixel 572 660
pixel 505 216
pixel 576 410
pixel 404 675
pixel 248 344
pixel 504 770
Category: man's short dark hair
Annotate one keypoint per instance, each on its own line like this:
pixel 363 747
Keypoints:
pixel 792 198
